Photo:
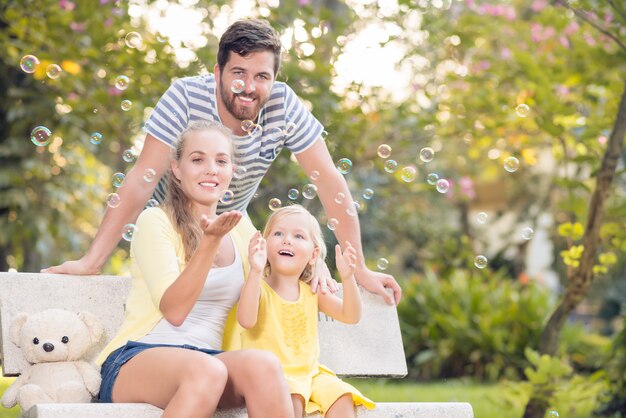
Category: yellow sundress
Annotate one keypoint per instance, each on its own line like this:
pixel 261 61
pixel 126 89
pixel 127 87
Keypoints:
pixel 289 330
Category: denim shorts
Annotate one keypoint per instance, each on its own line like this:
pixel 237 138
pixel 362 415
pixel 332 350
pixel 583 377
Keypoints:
pixel 113 363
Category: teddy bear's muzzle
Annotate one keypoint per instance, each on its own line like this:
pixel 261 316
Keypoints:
pixel 47 347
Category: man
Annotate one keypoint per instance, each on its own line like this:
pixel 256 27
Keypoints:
pixel 264 115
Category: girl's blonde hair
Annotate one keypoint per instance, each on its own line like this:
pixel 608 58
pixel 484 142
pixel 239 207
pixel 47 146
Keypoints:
pixel 177 205
pixel 312 226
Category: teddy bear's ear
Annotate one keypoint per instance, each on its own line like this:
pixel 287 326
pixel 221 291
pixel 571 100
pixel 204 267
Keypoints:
pixel 16 327
pixel 93 325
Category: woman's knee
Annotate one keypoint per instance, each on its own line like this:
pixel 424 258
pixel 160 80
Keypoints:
pixel 207 370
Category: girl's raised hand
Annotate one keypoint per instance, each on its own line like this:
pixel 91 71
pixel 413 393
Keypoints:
pixel 346 260
pixel 221 225
pixel 257 253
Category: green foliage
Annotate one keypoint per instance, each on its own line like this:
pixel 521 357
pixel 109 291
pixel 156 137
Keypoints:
pixel 553 381
pixel 614 406
pixel 470 324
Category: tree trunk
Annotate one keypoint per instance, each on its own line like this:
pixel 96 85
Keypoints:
pixel 582 277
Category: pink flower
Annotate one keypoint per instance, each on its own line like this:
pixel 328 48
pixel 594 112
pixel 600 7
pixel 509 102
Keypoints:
pixel 538 5
pixel 564 41
pixel 304 2
pixel 114 91
pixel 67 5
pixel 571 28
pixel 78 27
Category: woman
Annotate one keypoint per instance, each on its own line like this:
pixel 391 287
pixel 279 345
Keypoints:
pixel 187 270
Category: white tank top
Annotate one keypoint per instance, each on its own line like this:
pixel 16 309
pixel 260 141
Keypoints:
pixel 204 326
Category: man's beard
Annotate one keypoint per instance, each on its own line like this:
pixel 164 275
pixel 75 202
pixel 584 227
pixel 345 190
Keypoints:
pixel 240 112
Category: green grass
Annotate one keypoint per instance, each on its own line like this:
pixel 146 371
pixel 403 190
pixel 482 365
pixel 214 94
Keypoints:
pixel 484 398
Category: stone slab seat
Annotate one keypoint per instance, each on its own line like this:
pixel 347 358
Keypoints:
pixel 371 348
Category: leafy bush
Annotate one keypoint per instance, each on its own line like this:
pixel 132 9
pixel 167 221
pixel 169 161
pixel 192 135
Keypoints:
pixel 615 405
pixel 472 323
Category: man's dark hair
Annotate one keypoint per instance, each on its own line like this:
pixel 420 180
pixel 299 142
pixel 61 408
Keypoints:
pixel 246 36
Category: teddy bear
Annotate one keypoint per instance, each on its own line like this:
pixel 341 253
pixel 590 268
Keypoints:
pixel 53 342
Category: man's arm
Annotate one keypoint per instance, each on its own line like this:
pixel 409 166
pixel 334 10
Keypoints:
pixel 330 183
pixel 134 194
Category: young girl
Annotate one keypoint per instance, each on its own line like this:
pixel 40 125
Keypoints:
pixel 280 312
pixel 187 270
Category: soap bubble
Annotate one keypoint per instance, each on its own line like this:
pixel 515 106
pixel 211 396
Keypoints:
pixel 309 191
pixel 442 186
pixel 152 203
pixel 391 166
pixel 240 172
pixel 332 224
pixel 315 175
pixel 354 209
pixel 527 233
pixel 40 136
pixel 126 105
pixel 237 86
pixel 128 231
pixel 481 217
pixel 129 156
pixel 382 263
pixel 290 129
pixel 340 198
pixel 552 414
pixel 432 178
pixel 53 71
pixel 368 194
pixel 133 40
pixel 122 82
pixel 228 196
pixel 480 261
pixel 118 179
pixel 275 204
pixel 408 174
pixel 29 63
pixel 247 125
pixel 274 132
pixel 95 138
pixel 344 165
pixel 384 151
pixel 427 154
pixel 149 175
pixel 113 200
pixel 522 110
pixel 511 164
pixel 293 194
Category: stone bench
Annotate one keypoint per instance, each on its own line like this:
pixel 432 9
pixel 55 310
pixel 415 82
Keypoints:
pixel 371 348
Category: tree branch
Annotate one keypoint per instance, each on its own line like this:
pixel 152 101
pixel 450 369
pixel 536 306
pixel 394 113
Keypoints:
pixel 586 18
pixel 618 11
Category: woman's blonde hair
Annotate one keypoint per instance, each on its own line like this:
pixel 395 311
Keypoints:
pixel 177 205
pixel 312 226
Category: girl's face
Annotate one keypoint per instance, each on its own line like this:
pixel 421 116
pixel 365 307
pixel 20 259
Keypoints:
pixel 205 167
pixel 290 246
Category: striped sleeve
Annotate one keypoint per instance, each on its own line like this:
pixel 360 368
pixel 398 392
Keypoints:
pixel 171 114
pixel 308 129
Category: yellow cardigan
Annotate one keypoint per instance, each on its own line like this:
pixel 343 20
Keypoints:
pixel 158 248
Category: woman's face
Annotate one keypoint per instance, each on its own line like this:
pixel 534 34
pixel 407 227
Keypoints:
pixel 205 167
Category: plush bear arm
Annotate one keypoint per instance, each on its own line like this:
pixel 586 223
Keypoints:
pixel 90 375
pixel 9 399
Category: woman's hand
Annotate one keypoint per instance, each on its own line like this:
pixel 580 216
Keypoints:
pixel 221 225
pixel 257 252
pixel 346 260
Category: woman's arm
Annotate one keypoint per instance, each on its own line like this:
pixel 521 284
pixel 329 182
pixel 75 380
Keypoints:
pixel 347 310
pixel 182 294
pixel 248 308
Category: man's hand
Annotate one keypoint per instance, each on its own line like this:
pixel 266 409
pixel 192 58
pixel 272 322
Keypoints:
pixel 378 283
pixel 80 267
pixel 322 281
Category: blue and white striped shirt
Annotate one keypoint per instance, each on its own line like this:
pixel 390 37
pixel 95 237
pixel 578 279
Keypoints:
pixel 193 98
